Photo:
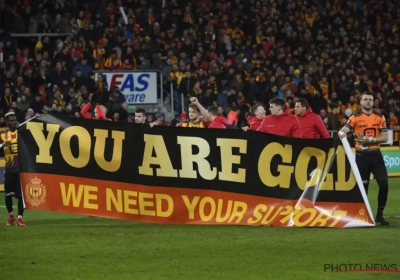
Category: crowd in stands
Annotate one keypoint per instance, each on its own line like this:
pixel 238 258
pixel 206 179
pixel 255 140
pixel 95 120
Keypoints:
pixel 230 54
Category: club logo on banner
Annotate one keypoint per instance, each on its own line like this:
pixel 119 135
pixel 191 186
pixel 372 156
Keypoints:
pixel 35 192
pixel 175 175
pixel 362 216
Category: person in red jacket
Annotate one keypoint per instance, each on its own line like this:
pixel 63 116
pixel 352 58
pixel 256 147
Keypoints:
pixel 210 115
pixel 280 122
pixel 257 115
pixel 311 124
pixel 99 112
pixel 216 121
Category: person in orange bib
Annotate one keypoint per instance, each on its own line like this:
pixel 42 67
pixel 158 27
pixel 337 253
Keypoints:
pixel 369 129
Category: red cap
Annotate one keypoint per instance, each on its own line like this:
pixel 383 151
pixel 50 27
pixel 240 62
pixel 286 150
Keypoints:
pixel 183 116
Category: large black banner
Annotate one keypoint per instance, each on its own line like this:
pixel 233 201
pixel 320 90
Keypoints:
pixel 226 160
pixel 187 175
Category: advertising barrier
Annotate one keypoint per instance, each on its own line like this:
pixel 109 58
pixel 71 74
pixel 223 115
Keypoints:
pixel 137 87
pixel 176 175
pixel 391 156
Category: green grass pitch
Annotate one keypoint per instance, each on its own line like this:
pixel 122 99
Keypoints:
pixel 56 246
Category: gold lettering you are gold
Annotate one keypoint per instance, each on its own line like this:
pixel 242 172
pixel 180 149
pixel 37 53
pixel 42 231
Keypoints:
pixel 156 160
pixel 84 145
pixel 289 167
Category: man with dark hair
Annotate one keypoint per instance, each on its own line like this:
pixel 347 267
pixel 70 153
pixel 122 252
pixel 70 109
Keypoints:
pixel 140 116
pixel 212 110
pixel 210 115
pixel 369 129
pixel 257 115
pixel 12 183
pixel 280 122
pixel 311 124
pixel 216 121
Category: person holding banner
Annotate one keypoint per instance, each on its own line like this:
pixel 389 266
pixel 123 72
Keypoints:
pixel 140 116
pixel 211 115
pixel 195 118
pixel 12 183
pixel 257 115
pixel 311 124
pixel 280 122
pixel 369 129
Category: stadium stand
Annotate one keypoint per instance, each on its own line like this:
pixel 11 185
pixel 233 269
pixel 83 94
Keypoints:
pixel 229 54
